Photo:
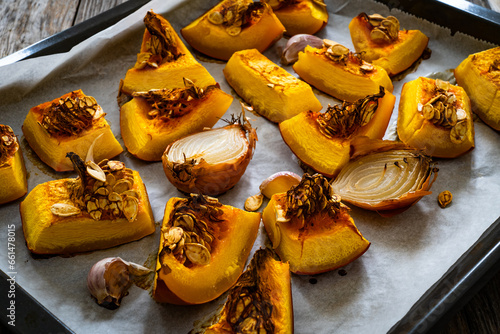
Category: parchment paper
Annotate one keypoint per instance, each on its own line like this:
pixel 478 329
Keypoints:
pixel 409 252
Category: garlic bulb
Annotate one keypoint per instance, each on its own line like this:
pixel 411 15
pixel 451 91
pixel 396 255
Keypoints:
pixel 210 162
pixel 109 280
pixel 296 44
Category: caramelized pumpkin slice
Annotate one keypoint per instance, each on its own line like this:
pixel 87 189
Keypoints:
pixel 300 17
pixel 203 249
pixel 436 118
pixel 69 123
pixel 322 140
pixel 234 25
pixel 12 169
pixel 479 75
pixel 336 71
pixel 163 61
pixel 68 216
pixel 311 229
pixel 265 287
pixel 381 42
pixel 272 91
pixel 154 119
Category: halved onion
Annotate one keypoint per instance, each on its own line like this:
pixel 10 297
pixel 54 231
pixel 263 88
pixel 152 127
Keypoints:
pixel 210 162
pixel 388 180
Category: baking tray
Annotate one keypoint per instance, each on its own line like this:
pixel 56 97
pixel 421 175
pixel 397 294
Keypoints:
pixel 463 279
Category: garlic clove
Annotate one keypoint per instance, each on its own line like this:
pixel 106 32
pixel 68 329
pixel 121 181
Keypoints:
pixel 296 44
pixel 278 183
pixel 109 280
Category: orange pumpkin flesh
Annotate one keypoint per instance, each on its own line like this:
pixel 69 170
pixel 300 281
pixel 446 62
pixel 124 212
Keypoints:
pixel 268 282
pixel 302 17
pixel 343 80
pixel 259 32
pixel 478 75
pixel 272 91
pixel 327 155
pixel 147 138
pixel 196 284
pixel 46 233
pixel 394 57
pixel 52 148
pixel 169 74
pixel 418 132
pixel 12 168
pixel 321 244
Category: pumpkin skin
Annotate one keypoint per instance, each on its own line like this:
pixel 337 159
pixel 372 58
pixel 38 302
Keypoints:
pixel 344 82
pixel 272 281
pixel 46 233
pixel 394 57
pixel 213 40
pixel 12 174
pixel 234 237
pixel 302 17
pixel 323 245
pixel 327 155
pixel 168 74
pixel 52 149
pixel 275 94
pixel 415 131
pixel 478 75
pixel 147 139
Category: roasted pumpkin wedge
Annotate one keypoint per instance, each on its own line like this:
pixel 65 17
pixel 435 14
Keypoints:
pixel 385 176
pixel 210 162
pixel 163 61
pixel 265 289
pixel 152 120
pixel 381 42
pixel 203 249
pixel 107 205
pixel 269 89
pixel 300 17
pixel 311 229
pixel 322 140
pixel 69 123
pixel 479 75
pixel 335 70
pixel 435 117
pixel 234 25
pixel 12 169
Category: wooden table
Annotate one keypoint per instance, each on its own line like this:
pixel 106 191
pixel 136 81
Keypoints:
pixel 25 22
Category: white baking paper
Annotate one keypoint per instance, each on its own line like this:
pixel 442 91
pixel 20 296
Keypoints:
pixel 409 252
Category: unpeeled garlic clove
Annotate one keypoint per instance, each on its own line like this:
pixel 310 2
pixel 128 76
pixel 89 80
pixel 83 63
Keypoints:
pixel 109 280
pixel 296 44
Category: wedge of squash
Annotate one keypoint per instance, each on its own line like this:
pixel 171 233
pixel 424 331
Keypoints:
pixel 54 128
pixel 12 168
pixel 203 249
pixel 300 17
pixel 435 117
pixel 310 228
pixel 266 285
pixel 269 89
pixel 339 73
pixel 165 67
pixel 327 152
pixel 152 120
pixel 479 75
pixel 382 43
pixel 234 25
pixel 60 218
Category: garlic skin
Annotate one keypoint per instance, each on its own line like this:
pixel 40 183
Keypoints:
pixel 296 44
pixel 109 280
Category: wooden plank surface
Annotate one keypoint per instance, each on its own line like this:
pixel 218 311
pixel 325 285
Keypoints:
pixel 25 22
